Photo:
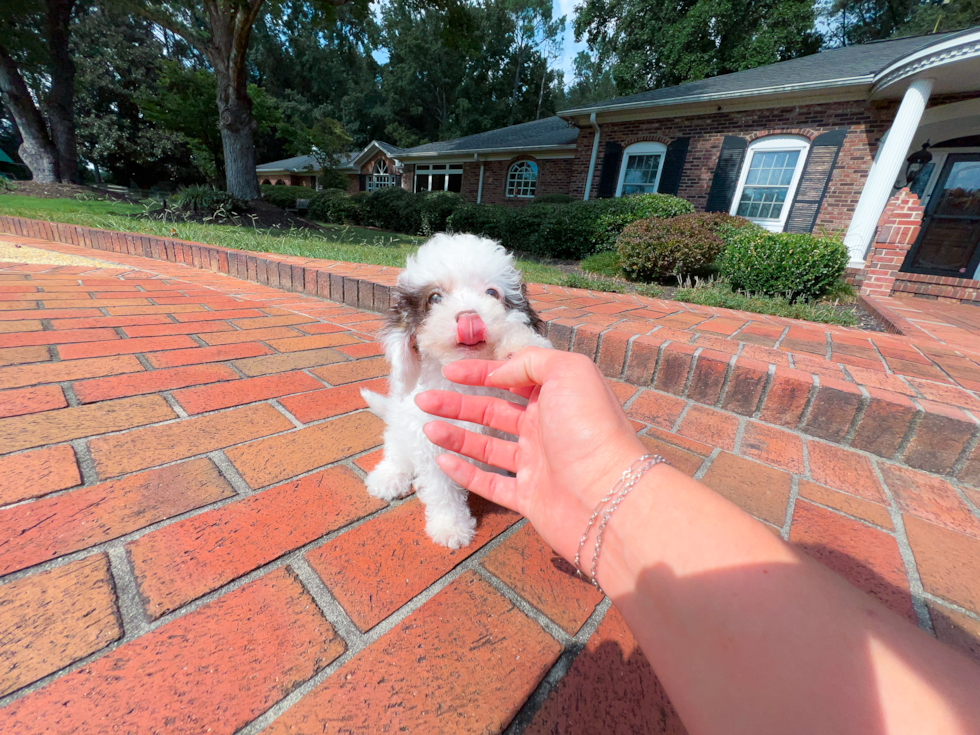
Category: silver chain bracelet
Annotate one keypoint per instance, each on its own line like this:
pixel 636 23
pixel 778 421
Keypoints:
pixel 620 490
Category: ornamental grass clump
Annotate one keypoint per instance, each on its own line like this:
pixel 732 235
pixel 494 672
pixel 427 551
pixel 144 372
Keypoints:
pixel 797 267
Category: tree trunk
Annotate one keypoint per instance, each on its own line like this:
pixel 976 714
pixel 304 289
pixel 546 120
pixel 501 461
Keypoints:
pixel 544 74
pixel 36 150
pixel 61 97
pixel 230 37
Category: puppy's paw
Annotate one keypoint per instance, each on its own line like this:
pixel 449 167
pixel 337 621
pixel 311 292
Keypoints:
pixel 451 532
pixel 387 482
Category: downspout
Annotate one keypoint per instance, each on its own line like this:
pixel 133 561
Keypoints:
pixel 479 189
pixel 595 153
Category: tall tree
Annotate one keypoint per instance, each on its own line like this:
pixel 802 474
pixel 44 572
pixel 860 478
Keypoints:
pixel 660 43
pixel 592 81
pixel 848 22
pixel 221 31
pixel 533 29
pixel 34 52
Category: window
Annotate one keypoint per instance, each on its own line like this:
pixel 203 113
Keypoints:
pixel 380 176
pixel 439 177
pixel 640 172
pixel 768 180
pixel 522 179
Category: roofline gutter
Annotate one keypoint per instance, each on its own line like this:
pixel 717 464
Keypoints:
pixel 485 151
pixel 595 152
pixel 675 101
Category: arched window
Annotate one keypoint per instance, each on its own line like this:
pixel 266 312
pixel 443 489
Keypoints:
pixel 768 180
pixel 280 182
pixel 380 176
pixel 640 172
pixel 522 179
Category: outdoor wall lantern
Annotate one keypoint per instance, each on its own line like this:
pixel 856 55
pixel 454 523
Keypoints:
pixel 916 162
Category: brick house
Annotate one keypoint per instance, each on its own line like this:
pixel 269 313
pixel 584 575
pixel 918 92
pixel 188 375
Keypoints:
pixel 817 144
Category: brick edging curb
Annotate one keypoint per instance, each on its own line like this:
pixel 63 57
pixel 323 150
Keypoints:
pixel 924 435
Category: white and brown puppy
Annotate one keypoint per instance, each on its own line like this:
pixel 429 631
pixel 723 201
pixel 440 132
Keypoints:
pixel 459 297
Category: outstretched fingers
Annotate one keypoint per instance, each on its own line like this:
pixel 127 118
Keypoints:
pixel 486 449
pixel 493 412
pixel 495 488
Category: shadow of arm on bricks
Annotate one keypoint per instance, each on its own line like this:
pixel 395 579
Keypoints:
pixel 762 649
pixel 791 647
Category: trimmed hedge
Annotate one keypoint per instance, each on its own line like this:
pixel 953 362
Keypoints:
pixel 795 267
pixel 650 249
pixel 572 229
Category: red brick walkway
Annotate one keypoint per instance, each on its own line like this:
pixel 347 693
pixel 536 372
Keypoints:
pixel 186 544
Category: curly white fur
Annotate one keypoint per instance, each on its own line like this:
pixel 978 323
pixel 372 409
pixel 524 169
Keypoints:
pixel 420 338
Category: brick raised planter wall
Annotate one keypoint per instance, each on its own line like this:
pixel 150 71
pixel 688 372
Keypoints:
pixel 677 364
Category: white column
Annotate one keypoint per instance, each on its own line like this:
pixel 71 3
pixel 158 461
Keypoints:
pixel 479 188
pixel 595 152
pixel 881 179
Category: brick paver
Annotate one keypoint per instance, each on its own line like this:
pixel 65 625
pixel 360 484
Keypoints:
pixel 188 545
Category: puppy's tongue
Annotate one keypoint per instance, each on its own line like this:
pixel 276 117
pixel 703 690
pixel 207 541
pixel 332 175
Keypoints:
pixel 470 329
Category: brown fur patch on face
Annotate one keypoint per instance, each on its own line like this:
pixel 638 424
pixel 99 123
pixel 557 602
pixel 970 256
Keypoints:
pixel 408 309
pixel 524 305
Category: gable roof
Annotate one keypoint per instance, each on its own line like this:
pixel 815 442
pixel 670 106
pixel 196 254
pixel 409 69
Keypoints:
pixel 296 164
pixel 839 67
pixel 551 132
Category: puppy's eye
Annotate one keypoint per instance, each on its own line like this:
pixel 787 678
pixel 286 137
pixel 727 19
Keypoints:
pixel 492 293
pixel 435 298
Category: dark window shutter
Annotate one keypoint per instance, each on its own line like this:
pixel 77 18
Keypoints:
pixel 362 182
pixel 670 174
pixel 609 176
pixel 726 174
pixel 398 180
pixel 814 179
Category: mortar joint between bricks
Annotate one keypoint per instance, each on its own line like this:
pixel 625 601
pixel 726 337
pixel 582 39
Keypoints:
pixel 968 446
pixel 657 363
pixel 690 370
pixel 729 371
pixel 910 431
pixel 706 463
pixel 810 399
pixel 857 418
pixel 626 356
pixel 916 589
pixel 85 462
pixel 781 337
pixel 794 494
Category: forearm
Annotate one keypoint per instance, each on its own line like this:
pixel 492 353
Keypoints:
pixel 747 635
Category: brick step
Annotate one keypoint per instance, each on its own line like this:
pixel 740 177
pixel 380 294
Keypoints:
pixel 905 399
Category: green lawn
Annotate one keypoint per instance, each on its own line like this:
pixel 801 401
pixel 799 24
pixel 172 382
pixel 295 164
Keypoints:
pixel 352 244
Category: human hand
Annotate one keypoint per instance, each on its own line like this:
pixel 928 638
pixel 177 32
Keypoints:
pixel 574 441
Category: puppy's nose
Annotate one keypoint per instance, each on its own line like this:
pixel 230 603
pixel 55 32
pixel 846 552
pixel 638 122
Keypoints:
pixel 468 311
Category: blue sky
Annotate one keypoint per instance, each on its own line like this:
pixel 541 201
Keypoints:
pixel 567 8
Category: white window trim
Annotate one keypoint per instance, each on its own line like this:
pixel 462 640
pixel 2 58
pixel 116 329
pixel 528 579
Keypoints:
pixel 511 191
pixel 641 149
pixel 769 144
pixel 425 170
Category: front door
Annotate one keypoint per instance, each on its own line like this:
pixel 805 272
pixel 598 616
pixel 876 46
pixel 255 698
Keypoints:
pixel 950 235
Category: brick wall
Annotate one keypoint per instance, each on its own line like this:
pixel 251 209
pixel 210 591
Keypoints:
pixel 554 176
pixel 866 123
pixel 898 227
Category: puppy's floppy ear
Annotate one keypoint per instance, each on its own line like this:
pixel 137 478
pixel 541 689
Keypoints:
pixel 402 319
pixel 523 304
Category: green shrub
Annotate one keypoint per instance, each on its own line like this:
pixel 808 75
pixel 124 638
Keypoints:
pixel 435 209
pixel 203 199
pixel 614 214
pixel 285 197
pixel 320 203
pixel 796 267
pixel 487 220
pixel 651 249
pixel 555 198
